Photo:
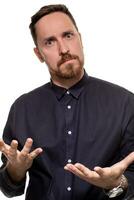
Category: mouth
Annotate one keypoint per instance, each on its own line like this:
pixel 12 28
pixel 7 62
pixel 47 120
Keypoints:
pixel 66 59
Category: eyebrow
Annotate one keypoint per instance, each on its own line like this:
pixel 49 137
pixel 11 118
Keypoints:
pixel 53 37
pixel 49 38
pixel 66 32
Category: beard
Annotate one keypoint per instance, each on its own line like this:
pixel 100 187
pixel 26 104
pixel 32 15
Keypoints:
pixel 69 70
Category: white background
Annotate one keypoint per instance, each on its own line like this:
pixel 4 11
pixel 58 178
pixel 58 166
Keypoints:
pixel 107 28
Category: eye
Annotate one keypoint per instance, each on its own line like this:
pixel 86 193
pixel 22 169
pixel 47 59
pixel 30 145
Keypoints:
pixel 49 42
pixel 69 35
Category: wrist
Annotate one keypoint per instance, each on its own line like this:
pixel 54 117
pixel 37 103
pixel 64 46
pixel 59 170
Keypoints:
pixel 116 191
pixel 15 174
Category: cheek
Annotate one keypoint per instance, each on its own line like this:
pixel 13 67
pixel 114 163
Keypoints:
pixel 79 51
pixel 77 47
pixel 51 59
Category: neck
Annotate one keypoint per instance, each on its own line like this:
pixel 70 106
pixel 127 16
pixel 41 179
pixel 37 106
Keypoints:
pixel 67 83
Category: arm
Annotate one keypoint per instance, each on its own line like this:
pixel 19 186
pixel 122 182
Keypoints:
pixel 110 177
pixel 16 158
pixel 13 174
pixel 8 186
pixel 106 178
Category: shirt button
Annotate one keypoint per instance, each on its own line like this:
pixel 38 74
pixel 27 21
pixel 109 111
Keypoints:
pixel 69 189
pixel 69 161
pixel 68 92
pixel 69 132
pixel 69 107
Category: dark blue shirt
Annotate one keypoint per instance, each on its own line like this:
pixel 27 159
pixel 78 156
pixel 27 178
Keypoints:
pixel 91 123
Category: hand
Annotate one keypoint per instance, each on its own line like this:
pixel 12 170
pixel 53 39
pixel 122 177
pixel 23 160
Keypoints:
pixel 107 178
pixel 19 161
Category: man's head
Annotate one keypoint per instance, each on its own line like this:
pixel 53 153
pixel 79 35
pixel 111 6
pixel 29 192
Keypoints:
pixel 58 41
pixel 45 10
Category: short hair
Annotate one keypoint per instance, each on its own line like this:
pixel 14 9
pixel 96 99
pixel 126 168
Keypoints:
pixel 46 10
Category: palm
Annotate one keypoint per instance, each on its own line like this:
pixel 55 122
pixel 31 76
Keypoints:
pixel 20 160
pixel 107 177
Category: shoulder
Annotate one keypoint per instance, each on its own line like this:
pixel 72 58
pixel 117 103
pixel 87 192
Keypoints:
pixel 35 95
pixel 109 94
pixel 105 87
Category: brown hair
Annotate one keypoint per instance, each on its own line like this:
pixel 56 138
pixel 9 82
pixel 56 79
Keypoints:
pixel 45 11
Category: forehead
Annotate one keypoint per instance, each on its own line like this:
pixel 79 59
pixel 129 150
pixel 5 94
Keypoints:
pixel 53 23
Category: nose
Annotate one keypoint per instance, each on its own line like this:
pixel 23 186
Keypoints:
pixel 63 48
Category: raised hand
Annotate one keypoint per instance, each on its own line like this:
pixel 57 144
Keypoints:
pixel 19 161
pixel 107 178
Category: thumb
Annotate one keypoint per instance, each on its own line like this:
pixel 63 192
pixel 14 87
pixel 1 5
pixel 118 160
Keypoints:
pixel 99 170
pixel 127 160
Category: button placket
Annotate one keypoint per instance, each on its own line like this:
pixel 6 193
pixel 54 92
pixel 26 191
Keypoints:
pixel 69 113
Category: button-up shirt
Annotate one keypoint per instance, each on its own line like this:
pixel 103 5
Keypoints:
pixel 91 123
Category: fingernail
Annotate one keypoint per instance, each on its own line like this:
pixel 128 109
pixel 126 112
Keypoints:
pixel 77 164
pixel 29 139
pixel 40 150
pixel 66 167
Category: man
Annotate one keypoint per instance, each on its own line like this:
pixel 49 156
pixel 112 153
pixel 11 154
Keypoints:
pixel 74 135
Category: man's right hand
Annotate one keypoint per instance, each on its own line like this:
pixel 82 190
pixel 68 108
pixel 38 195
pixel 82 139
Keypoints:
pixel 19 161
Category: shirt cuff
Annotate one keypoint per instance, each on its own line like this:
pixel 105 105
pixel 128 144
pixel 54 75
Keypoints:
pixel 9 187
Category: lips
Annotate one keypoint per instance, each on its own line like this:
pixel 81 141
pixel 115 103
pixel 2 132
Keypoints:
pixel 67 60
pixel 66 57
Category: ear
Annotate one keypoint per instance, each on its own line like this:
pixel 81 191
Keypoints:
pixel 80 38
pixel 38 54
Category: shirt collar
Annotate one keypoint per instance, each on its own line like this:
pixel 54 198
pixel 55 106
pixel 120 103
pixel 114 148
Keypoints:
pixel 75 90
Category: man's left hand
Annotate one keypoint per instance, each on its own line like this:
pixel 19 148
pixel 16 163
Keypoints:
pixel 106 178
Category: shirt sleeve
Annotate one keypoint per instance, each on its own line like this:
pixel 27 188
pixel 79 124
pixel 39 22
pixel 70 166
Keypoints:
pixel 127 145
pixel 7 185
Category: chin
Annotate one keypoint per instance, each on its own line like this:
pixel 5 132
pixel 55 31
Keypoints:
pixel 70 71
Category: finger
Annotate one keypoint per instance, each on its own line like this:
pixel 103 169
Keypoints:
pixel 13 148
pixel 82 172
pixel 27 147
pixel 72 168
pixel 129 159
pixel 126 161
pixel 99 170
pixel 35 153
pixel 107 171
pixel 83 169
pixel 4 147
pixel 1 145
pixel 86 171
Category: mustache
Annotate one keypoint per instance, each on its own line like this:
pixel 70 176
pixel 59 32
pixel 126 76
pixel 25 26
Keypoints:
pixel 66 57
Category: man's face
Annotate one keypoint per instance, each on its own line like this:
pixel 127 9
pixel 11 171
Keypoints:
pixel 59 45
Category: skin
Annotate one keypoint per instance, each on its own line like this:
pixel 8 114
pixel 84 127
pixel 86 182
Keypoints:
pixel 18 162
pixel 106 178
pixel 57 37
pixel 59 45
